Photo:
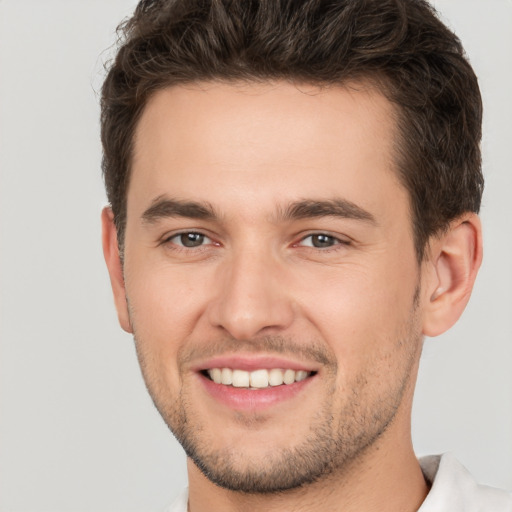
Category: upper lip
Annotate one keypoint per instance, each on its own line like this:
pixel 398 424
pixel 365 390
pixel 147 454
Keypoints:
pixel 254 362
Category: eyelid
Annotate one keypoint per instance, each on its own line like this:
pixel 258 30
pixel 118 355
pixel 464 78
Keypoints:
pixel 339 240
pixel 168 237
pixel 209 239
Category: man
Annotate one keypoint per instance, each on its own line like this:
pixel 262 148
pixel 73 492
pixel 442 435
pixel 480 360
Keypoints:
pixel 294 189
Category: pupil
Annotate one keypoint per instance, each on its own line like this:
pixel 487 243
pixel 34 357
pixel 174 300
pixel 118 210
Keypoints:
pixel 322 240
pixel 192 239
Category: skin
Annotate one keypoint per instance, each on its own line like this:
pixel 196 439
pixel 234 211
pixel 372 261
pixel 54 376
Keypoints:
pixel 352 310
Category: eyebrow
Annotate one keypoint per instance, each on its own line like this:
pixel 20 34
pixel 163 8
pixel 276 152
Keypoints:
pixel 163 207
pixel 310 208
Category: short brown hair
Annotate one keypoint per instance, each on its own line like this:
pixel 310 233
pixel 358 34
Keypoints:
pixel 399 45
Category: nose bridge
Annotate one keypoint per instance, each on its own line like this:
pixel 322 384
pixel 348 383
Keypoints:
pixel 251 297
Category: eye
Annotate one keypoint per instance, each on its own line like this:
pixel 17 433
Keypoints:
pixel 319 241
pixel 189 239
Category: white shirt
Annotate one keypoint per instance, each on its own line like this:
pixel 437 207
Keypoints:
pixel 453 490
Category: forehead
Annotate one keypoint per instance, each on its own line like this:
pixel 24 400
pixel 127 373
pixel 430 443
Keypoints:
pixel 269 142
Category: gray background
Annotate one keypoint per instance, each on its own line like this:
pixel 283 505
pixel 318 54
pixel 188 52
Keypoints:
pixel 77 430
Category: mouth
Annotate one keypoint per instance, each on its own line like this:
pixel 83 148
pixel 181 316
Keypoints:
pixel 252 383
pixel 257 379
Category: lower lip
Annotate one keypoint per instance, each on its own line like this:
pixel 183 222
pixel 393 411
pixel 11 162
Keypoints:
pixel 243 399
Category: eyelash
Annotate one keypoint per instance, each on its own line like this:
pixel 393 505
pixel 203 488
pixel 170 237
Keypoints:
pixel 181 246
pixel 337 243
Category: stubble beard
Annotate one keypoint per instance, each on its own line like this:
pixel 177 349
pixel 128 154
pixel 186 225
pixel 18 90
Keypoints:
pixel 328 449
pixel 339 436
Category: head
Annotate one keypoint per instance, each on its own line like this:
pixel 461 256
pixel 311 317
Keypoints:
pixel 293 188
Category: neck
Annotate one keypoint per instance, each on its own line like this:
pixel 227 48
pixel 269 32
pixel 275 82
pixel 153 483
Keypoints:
pixel 386 478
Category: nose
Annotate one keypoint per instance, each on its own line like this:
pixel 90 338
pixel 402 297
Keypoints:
pixel 252 297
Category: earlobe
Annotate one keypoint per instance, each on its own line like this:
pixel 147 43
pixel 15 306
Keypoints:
pixel 455 258
pixel 114 265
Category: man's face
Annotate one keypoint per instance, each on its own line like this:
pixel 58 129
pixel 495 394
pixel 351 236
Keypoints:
pixel 268 239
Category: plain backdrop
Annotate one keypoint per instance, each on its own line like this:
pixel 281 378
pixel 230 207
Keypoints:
pixel 77 429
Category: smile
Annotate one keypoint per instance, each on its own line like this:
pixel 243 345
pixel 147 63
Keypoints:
pixel 257 379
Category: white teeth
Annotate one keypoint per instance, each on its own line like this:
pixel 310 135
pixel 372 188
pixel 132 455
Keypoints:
pixel 289 377
pixel 241 379
pixel 256 379
pixel 226 376
pixel 275 377
pixel 259 379
pixel 300 375
pixel 216 375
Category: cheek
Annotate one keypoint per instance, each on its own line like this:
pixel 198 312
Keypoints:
pixel 359 310
pixel 165 306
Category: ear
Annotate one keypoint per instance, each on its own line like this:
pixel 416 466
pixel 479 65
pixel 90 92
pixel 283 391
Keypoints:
pixel 115 268
pixel 455 258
